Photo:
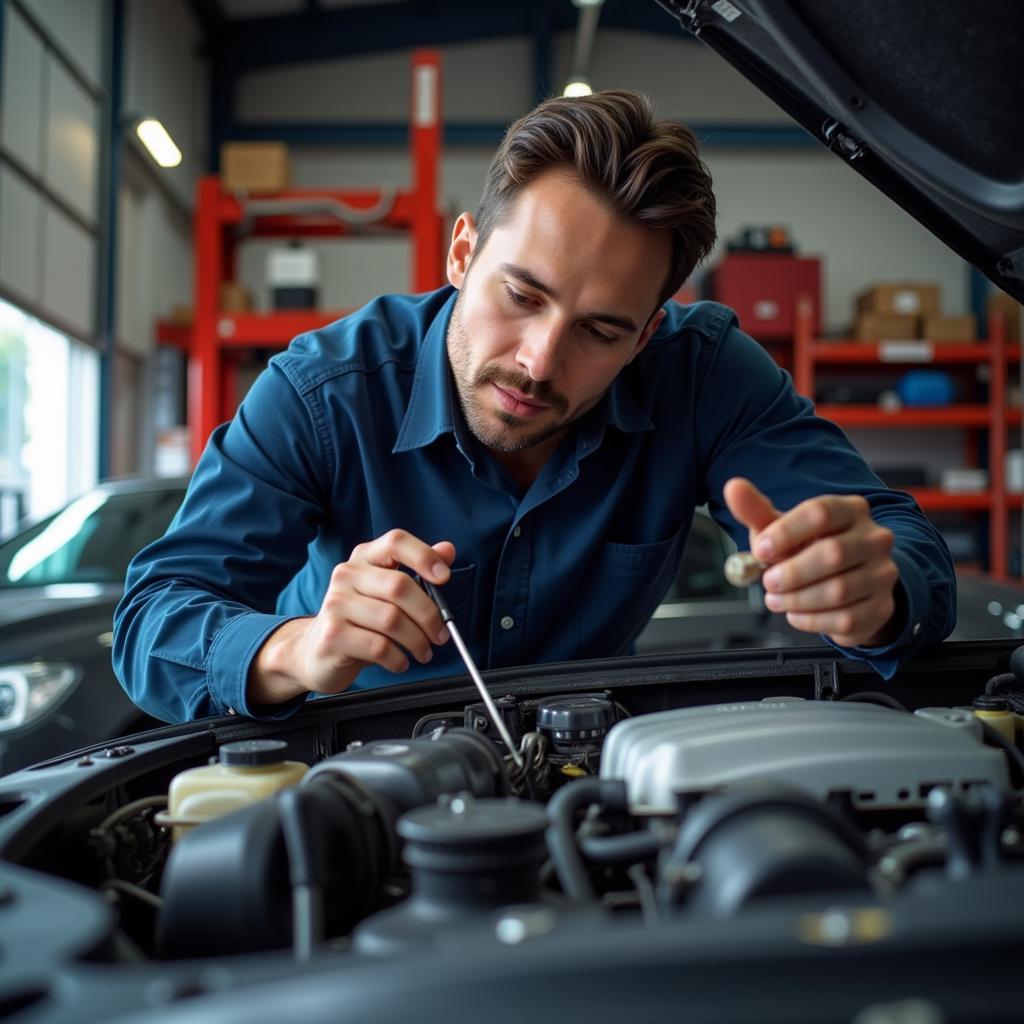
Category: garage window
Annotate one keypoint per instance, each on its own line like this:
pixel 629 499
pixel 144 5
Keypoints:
pixel 49 394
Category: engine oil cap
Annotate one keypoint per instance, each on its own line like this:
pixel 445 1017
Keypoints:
pixel 253 753
pixel 581 717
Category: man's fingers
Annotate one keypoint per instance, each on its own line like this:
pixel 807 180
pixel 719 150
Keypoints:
pixel 849 627
pixel 808 521
pixel 386 601
pixel 394 624
pixel 838 591
pixel 748 505
pixel 371 648
pixel 828 557
pixel 400 548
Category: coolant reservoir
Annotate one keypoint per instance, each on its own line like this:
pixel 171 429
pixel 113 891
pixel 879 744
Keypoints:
pixel 246 772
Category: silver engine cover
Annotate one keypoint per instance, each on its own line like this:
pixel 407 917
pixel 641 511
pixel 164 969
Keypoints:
pixel 883 757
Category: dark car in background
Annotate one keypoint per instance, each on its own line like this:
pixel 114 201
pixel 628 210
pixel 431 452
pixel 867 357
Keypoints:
pixel 60 580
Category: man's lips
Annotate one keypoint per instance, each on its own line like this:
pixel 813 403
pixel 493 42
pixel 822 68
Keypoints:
pixel 517 404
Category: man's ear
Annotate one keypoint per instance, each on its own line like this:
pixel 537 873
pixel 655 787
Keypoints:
pixel 461 249
pixel 645 335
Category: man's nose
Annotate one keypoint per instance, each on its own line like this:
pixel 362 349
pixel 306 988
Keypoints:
pixel 541 353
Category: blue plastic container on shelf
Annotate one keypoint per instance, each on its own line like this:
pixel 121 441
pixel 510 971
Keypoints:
pixel 925 387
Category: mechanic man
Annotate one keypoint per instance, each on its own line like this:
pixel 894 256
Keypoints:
pixel 535 438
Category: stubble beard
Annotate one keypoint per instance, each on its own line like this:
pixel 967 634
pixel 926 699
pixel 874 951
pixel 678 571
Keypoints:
pixel 516 437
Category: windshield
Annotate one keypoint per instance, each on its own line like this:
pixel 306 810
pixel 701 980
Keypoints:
pixel 91 540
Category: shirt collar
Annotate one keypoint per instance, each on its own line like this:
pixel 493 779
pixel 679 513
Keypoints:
pixel 429 413
pixel 431 409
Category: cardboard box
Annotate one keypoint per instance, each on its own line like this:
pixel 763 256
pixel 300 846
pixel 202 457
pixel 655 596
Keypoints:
pixel 950 328
pixel 886 327
pixel 235 298
pixel 904 298
pixel 1000 302
pixel 254 166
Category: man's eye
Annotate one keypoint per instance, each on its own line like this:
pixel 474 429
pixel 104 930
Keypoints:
pixel 517 297
pixel 606 339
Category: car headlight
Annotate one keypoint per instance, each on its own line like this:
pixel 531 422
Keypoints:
pixel 31 689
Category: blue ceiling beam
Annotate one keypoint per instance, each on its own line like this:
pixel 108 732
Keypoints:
pixel 210 18
pixel 326 33
pixel 396 133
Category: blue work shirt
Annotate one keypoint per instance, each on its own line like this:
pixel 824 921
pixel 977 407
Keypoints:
pixel 356 429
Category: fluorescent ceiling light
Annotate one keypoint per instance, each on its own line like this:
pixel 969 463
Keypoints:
pixel 577 87
pixel 587 3
pixel 161 146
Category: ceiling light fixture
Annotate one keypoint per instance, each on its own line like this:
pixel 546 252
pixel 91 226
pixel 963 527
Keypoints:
pixel 158 141
pixel 577 87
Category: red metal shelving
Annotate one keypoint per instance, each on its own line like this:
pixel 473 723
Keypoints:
pixel 994 417
pixel 932 499
pixel 937 416
pixel 271 330
pixel 216 336
pixel 899 352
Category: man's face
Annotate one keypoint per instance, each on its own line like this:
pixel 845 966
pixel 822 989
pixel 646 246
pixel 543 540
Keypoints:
pixel 561 296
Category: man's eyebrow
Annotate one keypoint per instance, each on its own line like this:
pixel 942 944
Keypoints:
pixel 522 274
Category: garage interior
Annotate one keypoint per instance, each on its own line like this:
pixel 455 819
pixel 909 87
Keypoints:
pixel 304 156
pixel 614 778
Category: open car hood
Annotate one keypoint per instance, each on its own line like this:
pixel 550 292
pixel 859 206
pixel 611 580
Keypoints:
pixel 922 99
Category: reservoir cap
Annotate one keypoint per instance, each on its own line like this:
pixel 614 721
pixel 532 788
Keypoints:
pixel 990 702
pixel 253 753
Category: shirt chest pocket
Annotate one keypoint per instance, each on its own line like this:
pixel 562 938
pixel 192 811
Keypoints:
pixel 459 594
pixel 624 585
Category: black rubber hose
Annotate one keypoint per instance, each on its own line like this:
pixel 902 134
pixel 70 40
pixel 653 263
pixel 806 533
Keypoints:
pixel 875 697
pixel 1002 682
pixel 561 832
pixel 622 849
pixel 306 875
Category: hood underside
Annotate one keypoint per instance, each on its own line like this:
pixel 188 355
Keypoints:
pixel 924 100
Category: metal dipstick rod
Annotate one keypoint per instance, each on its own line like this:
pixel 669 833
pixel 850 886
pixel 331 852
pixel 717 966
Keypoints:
pixel 467 660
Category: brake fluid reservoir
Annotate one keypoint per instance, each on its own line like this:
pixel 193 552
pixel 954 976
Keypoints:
pixel 245 772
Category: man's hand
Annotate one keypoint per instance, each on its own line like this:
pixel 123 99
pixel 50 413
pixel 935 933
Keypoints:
pixel 371 614
pixel 831 569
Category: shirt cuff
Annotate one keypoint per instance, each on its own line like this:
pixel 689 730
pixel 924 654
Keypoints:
pixel 231 655
pixel 887 659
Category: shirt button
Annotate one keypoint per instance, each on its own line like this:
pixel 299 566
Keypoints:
pixel 507 622
pixel 517 531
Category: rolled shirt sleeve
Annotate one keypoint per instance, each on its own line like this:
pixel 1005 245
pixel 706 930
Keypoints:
pixel 200 601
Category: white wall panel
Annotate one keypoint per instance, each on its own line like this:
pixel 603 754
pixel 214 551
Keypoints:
pixel 22 91
pixel 488 81
pixel 72 153
pixel 685 79
pixel 69 272
pixel 20 229
pixel 130 259
pixel 154 260
pixel 76 26
pixel 173 260
pixel 166 78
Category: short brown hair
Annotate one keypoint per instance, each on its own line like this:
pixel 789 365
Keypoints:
pixel 647 171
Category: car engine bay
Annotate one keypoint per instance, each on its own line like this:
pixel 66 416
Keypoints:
pixel 650 844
